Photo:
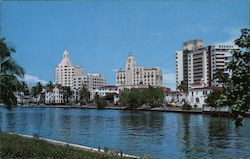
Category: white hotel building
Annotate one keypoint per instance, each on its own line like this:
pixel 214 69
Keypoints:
pixel 137 76
pixel 70 75
pixel 196 62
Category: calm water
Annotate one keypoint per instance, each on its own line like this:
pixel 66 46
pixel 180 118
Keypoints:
pixel 162 135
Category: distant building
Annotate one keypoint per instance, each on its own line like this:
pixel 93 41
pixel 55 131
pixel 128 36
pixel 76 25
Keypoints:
pixel 95 80
pixel 176 98
pixel 136 76
pixel 199 92
pixel 196 62
pixel 107 90
pixel 54 96
pixel 67 74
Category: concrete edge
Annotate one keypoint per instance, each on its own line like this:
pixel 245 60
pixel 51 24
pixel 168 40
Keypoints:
pixel 57 142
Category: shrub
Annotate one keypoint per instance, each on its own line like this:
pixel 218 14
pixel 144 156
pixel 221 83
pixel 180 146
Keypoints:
pixel 186 106
pixel 101 103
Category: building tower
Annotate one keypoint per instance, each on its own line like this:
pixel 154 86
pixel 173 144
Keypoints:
pixel 137 76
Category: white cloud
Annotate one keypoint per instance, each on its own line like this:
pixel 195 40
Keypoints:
pixel 31 79
pixel 169 79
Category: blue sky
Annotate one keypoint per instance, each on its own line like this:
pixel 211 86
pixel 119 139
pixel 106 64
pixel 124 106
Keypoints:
pixel 100 34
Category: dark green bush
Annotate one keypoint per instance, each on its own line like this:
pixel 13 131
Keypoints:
pixel 186 106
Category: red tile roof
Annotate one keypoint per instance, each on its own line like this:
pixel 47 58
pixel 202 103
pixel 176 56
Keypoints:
pixel 108 86
pixel 173 92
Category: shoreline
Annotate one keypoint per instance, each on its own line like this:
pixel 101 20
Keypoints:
pixel 74 146
pixel 168 110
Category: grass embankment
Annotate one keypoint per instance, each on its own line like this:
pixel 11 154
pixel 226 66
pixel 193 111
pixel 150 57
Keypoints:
pixel 14 146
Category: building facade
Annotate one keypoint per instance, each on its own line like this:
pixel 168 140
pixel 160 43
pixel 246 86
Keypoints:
pixel 106 90
pixel 196 62
pixel 54 96
pixel 134 76
pixel 199 93
pixel 95 80
pixel 67 74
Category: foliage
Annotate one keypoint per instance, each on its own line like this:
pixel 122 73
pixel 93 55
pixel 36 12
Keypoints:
pixel 100 101
pixel 182 86
pixel 13 146
pixel 50 85
pixel 213 97
pixel 135 98
pixel 186 106
pixel 109 97
pixel 37 89
pixel 84 95
pixel 67 94
pixel 236 83
pixel 10 71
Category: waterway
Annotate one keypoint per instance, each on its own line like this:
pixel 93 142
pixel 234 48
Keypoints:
pixel 158 134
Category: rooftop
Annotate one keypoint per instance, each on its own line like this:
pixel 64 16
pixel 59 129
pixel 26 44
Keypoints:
pixel 207 88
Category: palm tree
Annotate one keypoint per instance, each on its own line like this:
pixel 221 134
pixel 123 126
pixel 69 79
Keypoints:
pixel 84 95
pixel 67 93
pixel 22 90
pixel 50 85
pixel 10 71
pixel 36 90
pixel 182 86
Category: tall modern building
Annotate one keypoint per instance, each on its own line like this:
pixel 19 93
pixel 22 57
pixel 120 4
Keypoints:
pixel 196 62
pixel 135 76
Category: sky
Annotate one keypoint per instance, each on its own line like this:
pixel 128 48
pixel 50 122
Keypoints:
pixel 99 35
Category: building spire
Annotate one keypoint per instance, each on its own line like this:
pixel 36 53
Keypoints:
pixel 65 54
pixel 130 54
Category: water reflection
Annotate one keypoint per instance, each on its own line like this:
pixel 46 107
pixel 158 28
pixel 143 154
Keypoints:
pixel 142 129
pixel 162 135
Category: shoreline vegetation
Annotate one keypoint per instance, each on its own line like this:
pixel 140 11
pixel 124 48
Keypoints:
pixel 157 109
pixel 24 146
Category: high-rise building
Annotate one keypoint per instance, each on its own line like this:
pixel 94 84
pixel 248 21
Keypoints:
pixel 182 61
pixel 67 74
pixel 196 62
pixel 179 67
pixel 134 76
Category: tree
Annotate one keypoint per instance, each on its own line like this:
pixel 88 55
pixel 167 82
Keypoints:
pixel 50 85
pixel 10 71
pixel 22 90
pixel 109 97
pixel 67 93
pixel 100 101
pixel 84 95
pixel 186 106
pixel 135 98
pixel 182 86
pixel 236 83
pixel 213 97
pixel 36 90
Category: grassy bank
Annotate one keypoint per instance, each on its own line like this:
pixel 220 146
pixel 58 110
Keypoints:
pixel 14 146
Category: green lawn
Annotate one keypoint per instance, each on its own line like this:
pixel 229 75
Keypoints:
pixel 14 146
